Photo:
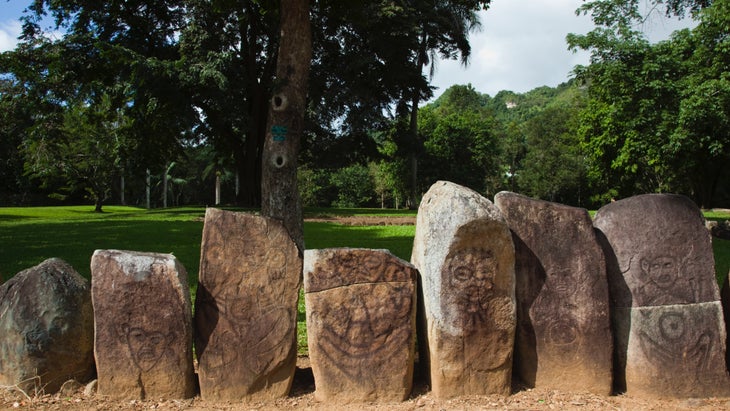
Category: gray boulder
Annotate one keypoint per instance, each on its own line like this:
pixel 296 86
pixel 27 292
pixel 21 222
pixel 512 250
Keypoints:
pixel 564 330
pixel 46 328
pixel 464 253
pixel 666 309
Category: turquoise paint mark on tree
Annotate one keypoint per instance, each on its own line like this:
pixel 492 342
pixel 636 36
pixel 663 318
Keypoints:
pixel 279 133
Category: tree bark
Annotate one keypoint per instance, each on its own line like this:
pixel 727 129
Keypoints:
pixel 279 191
pixel 148 181
pixel 164 186
pixel 413 124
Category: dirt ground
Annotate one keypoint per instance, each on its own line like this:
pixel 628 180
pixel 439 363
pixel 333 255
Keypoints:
pixel 364 220
pixel 302 398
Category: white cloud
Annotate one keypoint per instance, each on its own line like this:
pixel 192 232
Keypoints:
pixel 9 32
pixel 522 46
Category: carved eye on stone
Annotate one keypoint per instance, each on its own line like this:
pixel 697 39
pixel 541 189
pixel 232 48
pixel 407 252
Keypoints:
pixel 462 273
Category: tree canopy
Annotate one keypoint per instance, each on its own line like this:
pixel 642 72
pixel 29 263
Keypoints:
pixel 173 97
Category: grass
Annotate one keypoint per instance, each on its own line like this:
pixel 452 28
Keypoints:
pixel 30 235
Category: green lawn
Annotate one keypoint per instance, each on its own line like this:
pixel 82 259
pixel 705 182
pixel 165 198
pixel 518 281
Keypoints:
pixel 30 235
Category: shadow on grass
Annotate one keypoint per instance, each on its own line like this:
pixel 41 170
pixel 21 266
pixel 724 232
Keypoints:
pixel 12 217
pixel 75 242
pixel 397 239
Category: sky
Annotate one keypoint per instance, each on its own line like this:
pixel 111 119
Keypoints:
pixel 521 45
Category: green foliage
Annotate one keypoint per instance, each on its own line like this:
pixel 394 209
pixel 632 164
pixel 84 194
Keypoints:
pixel 657 118
pixel 84 151
pixel 459 141
pixel 553 167
pixel 353 186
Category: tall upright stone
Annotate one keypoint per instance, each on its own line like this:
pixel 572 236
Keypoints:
pixel 666 309
pixel 725 300
pixel 564 338
pixel 361 324
pixel 46 328
pixel 143 325
pixel 464 253
pixel 246 307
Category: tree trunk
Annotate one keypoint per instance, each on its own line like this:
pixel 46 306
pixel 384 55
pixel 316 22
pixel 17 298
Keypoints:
pixel 416 147
pixel 217 187
pixel 121 191
pixel 279 192
pixel 164 187
pixel 148 182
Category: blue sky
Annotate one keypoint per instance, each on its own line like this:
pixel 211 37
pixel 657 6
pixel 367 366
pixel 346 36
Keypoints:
pixel 521 45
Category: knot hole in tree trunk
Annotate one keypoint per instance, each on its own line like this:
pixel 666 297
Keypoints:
pixel 279 102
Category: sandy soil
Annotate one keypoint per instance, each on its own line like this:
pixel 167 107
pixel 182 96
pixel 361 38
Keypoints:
pixel 302 398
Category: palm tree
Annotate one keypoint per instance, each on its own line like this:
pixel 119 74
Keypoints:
pixel 443 32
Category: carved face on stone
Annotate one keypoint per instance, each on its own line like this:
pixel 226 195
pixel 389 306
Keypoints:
pixel 145 346
pixel 469 275
pixel 662 270
pixel 563 282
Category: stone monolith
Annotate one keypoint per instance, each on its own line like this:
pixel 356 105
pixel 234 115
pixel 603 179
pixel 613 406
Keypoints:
pixel 143 325
pixel 564 338
pixel 361 317
pixel 46 328
pixel 666 309
pixel 464 253
pixel 246 307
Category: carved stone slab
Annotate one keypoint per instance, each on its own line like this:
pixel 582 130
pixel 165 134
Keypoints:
pixel 46 328
pixel 464 253
pixel 564 338
pixel 246 307
pixel 670 337
pixel 725 300
pixel 143 325
pixel 361 314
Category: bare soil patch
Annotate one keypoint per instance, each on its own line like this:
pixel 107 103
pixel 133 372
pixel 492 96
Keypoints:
pixel 364 220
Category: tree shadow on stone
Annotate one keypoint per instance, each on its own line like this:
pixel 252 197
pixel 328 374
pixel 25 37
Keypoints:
pixel 205 320
pixel 617 287
pixel 725 299
pixel 529 280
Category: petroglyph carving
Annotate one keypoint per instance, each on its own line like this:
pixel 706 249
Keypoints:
pixel 146 346
pixel 360 323
pixel 660 282
pixel 143 325
pixel 675 345
pixel 470 273
pixel 367 328
pixel 246 306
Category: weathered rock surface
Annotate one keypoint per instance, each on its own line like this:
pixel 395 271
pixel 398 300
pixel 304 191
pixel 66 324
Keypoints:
pixel 564 338
pixel 666 309
pixel 725 300
pixel 46 328
pixel 143 325
pixel 361 314
pixel 246 307
pixel 464 252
